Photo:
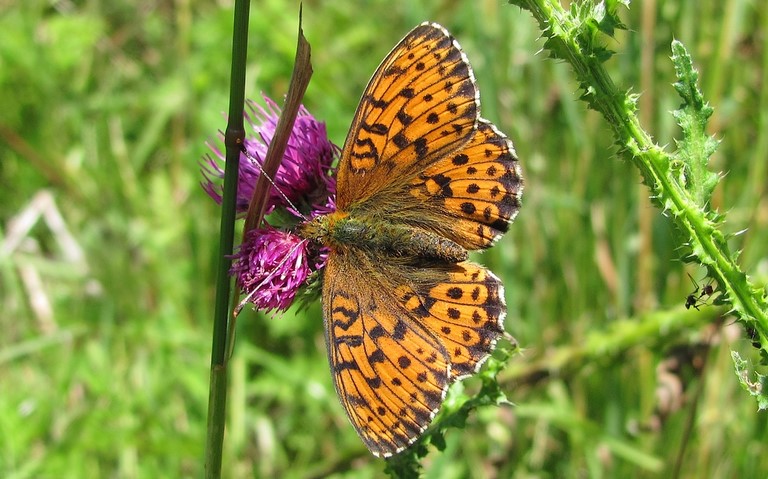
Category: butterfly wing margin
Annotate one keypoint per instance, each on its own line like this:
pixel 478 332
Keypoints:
pixel 420 104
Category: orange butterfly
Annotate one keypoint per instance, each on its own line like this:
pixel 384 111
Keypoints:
pixel 421 180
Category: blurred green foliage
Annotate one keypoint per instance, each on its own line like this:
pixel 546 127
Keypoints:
pixel 104 356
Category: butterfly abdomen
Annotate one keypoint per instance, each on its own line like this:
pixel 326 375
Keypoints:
pixel 381 237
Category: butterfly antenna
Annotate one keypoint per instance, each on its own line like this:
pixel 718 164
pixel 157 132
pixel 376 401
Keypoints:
pixel 245 300
pixel 694 283
pixel 271 182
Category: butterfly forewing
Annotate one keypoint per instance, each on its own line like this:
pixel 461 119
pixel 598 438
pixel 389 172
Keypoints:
pixel 420 105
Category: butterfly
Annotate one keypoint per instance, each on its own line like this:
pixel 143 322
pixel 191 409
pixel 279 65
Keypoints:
pixel 422 179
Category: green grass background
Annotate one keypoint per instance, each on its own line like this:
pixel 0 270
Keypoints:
pixel 108 105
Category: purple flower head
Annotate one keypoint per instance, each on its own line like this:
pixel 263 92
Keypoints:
pixel 270 266
pixel 303 176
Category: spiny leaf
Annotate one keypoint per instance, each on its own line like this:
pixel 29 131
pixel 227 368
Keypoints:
pixel 757 388
pixel 406 465
pixel 605 16
pixel 695 147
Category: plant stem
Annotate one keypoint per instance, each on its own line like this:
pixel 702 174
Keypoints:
pixel 571 36
pixel 235 133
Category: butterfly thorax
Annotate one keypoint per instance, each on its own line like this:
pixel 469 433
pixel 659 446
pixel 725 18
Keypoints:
pixel 341 230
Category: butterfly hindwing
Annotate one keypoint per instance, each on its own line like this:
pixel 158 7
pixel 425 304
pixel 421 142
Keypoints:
pixel 390 372
pixel 473 193
pixel 397 337
pixel 465 308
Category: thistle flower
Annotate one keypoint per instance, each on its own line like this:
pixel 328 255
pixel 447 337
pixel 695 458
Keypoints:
pixel 303 176
pixel 270 266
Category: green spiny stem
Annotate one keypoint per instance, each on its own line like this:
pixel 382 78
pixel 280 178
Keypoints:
pixel 571 36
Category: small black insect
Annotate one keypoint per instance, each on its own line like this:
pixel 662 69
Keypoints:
pixel 693 301
pixel 754 337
